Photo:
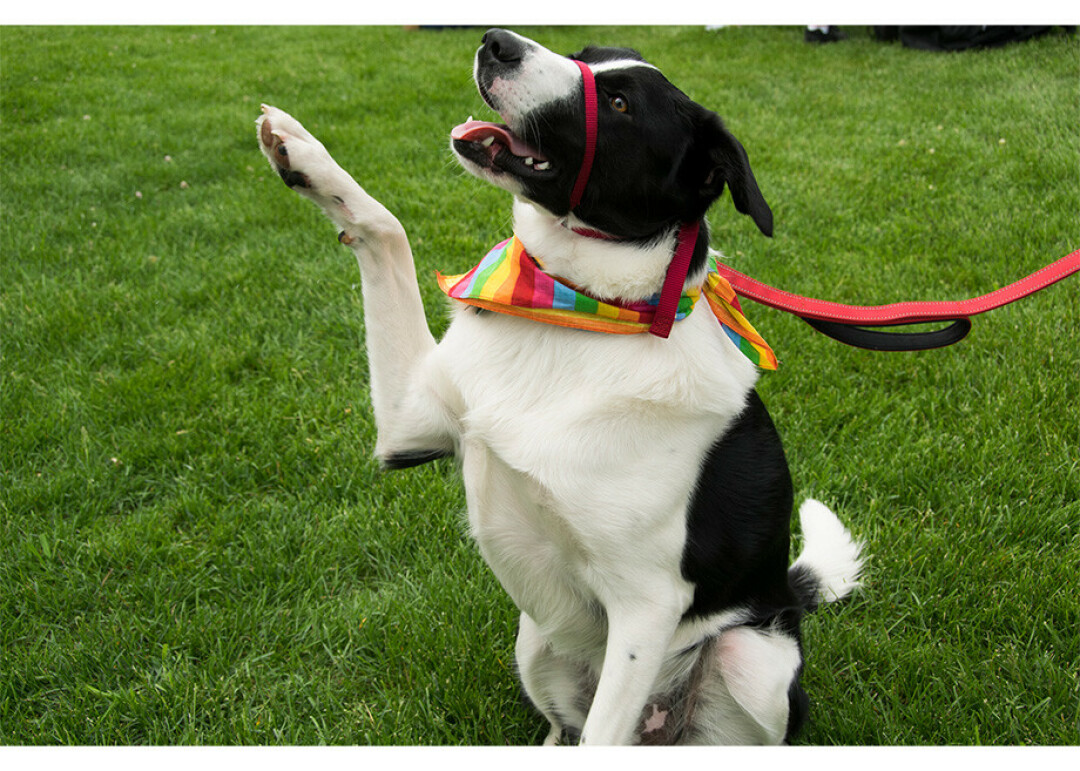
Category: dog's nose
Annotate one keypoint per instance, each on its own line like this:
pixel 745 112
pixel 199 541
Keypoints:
pixel 503 46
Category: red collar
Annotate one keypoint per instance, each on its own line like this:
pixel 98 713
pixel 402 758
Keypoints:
pixel 599 235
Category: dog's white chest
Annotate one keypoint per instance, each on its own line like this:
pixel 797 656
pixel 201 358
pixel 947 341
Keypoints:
pixel 566 434
pixel 573 408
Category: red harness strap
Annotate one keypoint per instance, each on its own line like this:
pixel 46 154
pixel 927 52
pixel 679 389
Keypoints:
pixel 687 236
pixel 675 279
pixel 843 321
pixel 592 123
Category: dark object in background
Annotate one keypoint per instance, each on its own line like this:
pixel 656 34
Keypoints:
pixel 824 35
pixel 957 38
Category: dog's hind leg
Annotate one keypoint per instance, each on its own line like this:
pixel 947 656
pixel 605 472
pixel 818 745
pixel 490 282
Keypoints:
pixel 410 397
pixel 749 693
pixel 560 689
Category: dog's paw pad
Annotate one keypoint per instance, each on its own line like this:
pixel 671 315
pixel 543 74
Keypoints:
pixel 274 138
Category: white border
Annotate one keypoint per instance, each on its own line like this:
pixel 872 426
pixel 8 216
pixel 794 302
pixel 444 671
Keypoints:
pixel 714 12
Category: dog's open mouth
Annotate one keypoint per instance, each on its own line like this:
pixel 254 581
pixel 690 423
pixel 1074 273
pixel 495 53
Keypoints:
pixel 494 146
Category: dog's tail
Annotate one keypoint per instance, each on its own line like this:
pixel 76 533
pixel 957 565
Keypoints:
pixel 828 568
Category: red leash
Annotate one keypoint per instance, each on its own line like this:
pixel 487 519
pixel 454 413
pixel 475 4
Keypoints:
pixel 841 322
pixel 844 322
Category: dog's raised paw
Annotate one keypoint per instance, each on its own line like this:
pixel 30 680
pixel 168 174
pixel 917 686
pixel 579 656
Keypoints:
pixel 308 168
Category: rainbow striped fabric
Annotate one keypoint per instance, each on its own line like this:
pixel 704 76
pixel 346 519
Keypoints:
pixel 725 306
pixel 509 281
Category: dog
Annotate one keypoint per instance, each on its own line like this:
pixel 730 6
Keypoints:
pixel 629 491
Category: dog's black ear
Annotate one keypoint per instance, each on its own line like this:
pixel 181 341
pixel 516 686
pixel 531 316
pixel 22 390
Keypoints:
pixel 722 160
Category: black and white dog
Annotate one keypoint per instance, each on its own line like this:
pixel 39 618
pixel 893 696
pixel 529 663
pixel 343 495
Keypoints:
pixel 630 492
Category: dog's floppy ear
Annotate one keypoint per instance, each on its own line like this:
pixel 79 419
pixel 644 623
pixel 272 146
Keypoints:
pixel 721 159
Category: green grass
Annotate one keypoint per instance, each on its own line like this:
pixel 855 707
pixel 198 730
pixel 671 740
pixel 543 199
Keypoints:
pixel 196 546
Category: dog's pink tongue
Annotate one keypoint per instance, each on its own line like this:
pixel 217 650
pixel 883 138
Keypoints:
pixel 478 131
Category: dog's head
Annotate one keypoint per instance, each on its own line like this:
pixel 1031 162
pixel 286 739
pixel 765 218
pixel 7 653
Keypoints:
pixel 660 158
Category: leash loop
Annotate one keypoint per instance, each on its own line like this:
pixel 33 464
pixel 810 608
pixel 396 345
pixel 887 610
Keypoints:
pixel 876 340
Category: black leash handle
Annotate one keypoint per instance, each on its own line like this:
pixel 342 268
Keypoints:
pixel 876 340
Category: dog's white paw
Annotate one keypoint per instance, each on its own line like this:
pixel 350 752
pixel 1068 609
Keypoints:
pixel 301 160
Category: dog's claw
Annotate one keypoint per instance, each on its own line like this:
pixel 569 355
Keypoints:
pixel 266 134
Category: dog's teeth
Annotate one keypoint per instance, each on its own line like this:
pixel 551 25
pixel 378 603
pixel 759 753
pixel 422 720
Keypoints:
pixel 528 161
pixel 543 166
pixel 488 142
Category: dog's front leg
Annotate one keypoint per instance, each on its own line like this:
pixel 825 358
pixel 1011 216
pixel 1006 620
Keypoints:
pixel 411 412
pixel 638 637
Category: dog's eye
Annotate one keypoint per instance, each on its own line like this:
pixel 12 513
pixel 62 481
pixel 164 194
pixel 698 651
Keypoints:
pixel 619 103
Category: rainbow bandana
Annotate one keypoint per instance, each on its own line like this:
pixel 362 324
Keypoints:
pixel 509 281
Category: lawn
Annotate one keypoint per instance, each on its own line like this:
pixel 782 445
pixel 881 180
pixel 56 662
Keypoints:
pixel 196 545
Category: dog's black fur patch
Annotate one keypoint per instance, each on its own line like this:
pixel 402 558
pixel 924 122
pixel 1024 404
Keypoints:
pixel 737 546
pixel 402 460
pixel 738 539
